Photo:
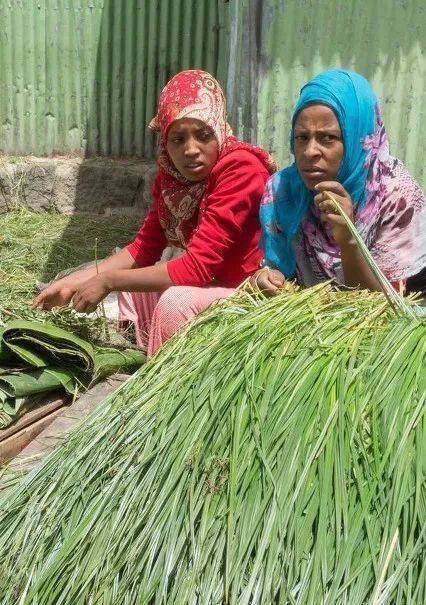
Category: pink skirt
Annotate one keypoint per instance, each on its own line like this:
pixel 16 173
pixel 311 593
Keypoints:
pixel 157 316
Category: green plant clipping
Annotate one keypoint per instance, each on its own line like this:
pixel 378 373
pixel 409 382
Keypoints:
pixel 394 299
pixel 272 453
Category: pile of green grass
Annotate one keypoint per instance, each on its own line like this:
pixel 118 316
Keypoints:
pixel 272 453
pixel 37 246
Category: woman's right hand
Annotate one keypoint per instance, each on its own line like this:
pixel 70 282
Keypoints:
pixel 57 294
pixel 268 281
pixel 62 291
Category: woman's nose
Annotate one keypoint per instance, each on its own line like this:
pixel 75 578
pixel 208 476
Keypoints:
pixel 312 148
pixel 191 147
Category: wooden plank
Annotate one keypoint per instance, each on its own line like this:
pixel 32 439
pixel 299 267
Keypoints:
pixel 37 440
pixel 43 407
pixel 15 443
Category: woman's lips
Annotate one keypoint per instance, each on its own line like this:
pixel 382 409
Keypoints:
pixel 313 172
pixel 195 166
pixel 313 176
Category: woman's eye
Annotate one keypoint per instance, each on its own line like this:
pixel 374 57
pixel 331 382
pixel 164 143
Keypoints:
pixel 300 137
pixel 206 135
pixel 328 138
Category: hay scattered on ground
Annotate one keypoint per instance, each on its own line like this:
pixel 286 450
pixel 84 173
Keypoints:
pixel 37 246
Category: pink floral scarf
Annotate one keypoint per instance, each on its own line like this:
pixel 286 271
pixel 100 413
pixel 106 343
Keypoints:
pixel 191 94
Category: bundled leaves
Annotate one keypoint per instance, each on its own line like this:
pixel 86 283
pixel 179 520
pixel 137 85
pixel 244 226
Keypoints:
pixel 40 357
pixel 273 453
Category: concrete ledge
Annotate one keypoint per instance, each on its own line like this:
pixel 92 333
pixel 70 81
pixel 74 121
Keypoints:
pixel 70 185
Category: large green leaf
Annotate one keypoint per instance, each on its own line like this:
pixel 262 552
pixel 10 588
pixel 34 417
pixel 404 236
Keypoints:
pixel 21 384
pixel 43 344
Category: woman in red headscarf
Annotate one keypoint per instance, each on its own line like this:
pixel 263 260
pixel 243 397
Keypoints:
pixel 206 198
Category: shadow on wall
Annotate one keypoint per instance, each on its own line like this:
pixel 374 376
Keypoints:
pixel 111 179
pixel 139 46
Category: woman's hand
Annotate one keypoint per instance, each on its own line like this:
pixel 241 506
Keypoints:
pixel 329 214
pixel 269 281
pixel 57 294
pixel 356 271
pixel 90 294
pixel 84 296
pixel 62 291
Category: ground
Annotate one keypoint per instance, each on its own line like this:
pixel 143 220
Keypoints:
pixel 35 247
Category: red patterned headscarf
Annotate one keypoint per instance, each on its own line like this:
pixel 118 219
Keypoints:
pixel 191 94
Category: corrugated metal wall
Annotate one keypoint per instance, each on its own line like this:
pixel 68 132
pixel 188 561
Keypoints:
pixel 279 44
pixel 83 76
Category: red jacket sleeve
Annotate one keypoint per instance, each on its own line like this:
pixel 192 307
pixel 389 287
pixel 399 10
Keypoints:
pixel 150 241
pixel 234 191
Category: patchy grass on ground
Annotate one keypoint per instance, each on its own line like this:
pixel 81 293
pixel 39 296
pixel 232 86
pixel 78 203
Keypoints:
pixel 37 246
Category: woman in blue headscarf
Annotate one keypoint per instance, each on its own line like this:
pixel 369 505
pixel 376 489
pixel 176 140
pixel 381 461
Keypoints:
pixel 340 145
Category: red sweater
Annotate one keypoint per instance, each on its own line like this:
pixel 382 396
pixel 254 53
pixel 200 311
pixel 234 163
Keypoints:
pixel 223 248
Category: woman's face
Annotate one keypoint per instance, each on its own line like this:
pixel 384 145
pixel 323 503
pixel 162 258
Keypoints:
pixel 192 147
pixel 318 145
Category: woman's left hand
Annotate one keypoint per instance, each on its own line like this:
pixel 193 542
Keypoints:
pixel 329 214
pixel 90 294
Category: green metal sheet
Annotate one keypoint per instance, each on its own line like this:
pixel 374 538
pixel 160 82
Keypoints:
pixel 277 45
pixel 83 76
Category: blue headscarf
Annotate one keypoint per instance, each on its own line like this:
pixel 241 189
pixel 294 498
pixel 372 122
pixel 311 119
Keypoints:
pixel 287 199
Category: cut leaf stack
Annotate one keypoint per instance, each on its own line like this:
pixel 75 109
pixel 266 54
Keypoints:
pixel 40 357
pixel 274 452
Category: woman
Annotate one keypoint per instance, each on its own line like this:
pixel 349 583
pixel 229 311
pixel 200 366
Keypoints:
pixel 340 145
pixel 206 200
